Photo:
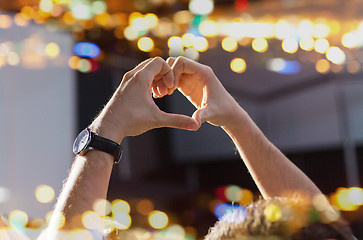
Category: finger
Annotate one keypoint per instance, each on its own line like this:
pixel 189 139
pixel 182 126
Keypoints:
pixel 154 89
pixel 157 67
pixel 177 121
pixel 202 115
pixel 170 61
pixel 139 67
pixel 163 90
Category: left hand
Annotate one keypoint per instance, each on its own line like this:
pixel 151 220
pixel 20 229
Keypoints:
pixel 131 111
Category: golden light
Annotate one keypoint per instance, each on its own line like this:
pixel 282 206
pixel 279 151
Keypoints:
pixel 145 44
pixel 282 29
pixel 20 21
pixel 321 30
pixel 52 50
pixel 208 28
pixel 118 32
pixel 27 12
pixel 321 45
pixel 354 66
pixel 120 206
pixel 5 21
pixel 306 28
pixel 44 193
pixel 238 65
pixel 151 19
pixel 2 62
pixel 247 197
pixel 307 43
pixel 260 45
pixel 158 220
pixel 92 220
pixel 68 18
pixel 102 207
pixel 272 213
pixel 18 218
pixel 61 2
pixel 335 55
pixel 322 66
pixel 134 16
pixel 349 40
pixel 46 5
pixel 73 62
pixel 123 220
pixel 320 202
pixel 188 39
pixel 229 44
pixel 36 223
pixel 200 44
pixel 183 17
pixel 356 195
pixel 175 42
pixel 343 201
pixel 144 206
pixel 290 45
pixel 103 19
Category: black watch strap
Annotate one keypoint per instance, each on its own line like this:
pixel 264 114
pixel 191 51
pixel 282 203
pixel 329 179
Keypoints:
pixel 106 145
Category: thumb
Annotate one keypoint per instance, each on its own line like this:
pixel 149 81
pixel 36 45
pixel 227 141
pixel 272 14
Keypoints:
pixel 178 121
pixel 202 115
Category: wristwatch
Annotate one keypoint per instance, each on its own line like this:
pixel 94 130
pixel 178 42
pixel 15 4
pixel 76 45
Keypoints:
pixel 88 140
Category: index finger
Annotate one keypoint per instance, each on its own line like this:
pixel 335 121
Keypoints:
pixel 157 67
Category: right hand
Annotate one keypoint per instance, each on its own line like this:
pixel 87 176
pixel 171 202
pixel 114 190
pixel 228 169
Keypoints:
pixel 198 83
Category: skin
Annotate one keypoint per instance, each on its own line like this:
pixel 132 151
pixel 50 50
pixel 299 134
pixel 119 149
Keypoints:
pixel 131 111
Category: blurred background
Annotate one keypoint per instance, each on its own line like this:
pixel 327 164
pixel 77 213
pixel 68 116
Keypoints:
pixel 294 65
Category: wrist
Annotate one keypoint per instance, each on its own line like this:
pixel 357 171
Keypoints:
pixel 106 129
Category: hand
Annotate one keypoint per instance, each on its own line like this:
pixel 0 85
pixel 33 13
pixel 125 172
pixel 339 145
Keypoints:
pixel 202 88
pixel 132 111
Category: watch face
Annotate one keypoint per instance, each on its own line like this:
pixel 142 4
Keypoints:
pixel 81 141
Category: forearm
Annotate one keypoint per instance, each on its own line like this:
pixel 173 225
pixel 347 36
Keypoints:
pixel 273 173
pixel 87 182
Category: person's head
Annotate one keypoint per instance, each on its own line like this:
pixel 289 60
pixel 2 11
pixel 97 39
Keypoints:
pixel 281 219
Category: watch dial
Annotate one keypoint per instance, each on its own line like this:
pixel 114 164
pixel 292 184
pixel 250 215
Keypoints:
pixel 81 141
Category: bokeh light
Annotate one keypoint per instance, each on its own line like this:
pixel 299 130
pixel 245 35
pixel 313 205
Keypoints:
pixel 175 42
pixel 322 66
pixel 87 49
pixel 272 212
pixel 145 44
pixel 145 206
pixel 335 55
pixel 84 65
pixel 13 59
pixel 44 193
pixel 98 7
pixel 354 66
pixel 158 219
pixel 307 43
pixel 92 220
pixel 208 28
pixel 119 205
pixel 18 218
pixel 321 45
pixel 229 44
pixel 102 207
pixel 5 21
pixel 260 45
pixel 290 45
pixel 20 21
pixel 342 200
pixel 221 209
pixel 356 195
pixel 73 62
pixel 350 40
pixel 238 65
pixel 57 217
pixel 200 44
pixel 52 50
pixel 188 39
pixel 123 220
pixel 201 7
